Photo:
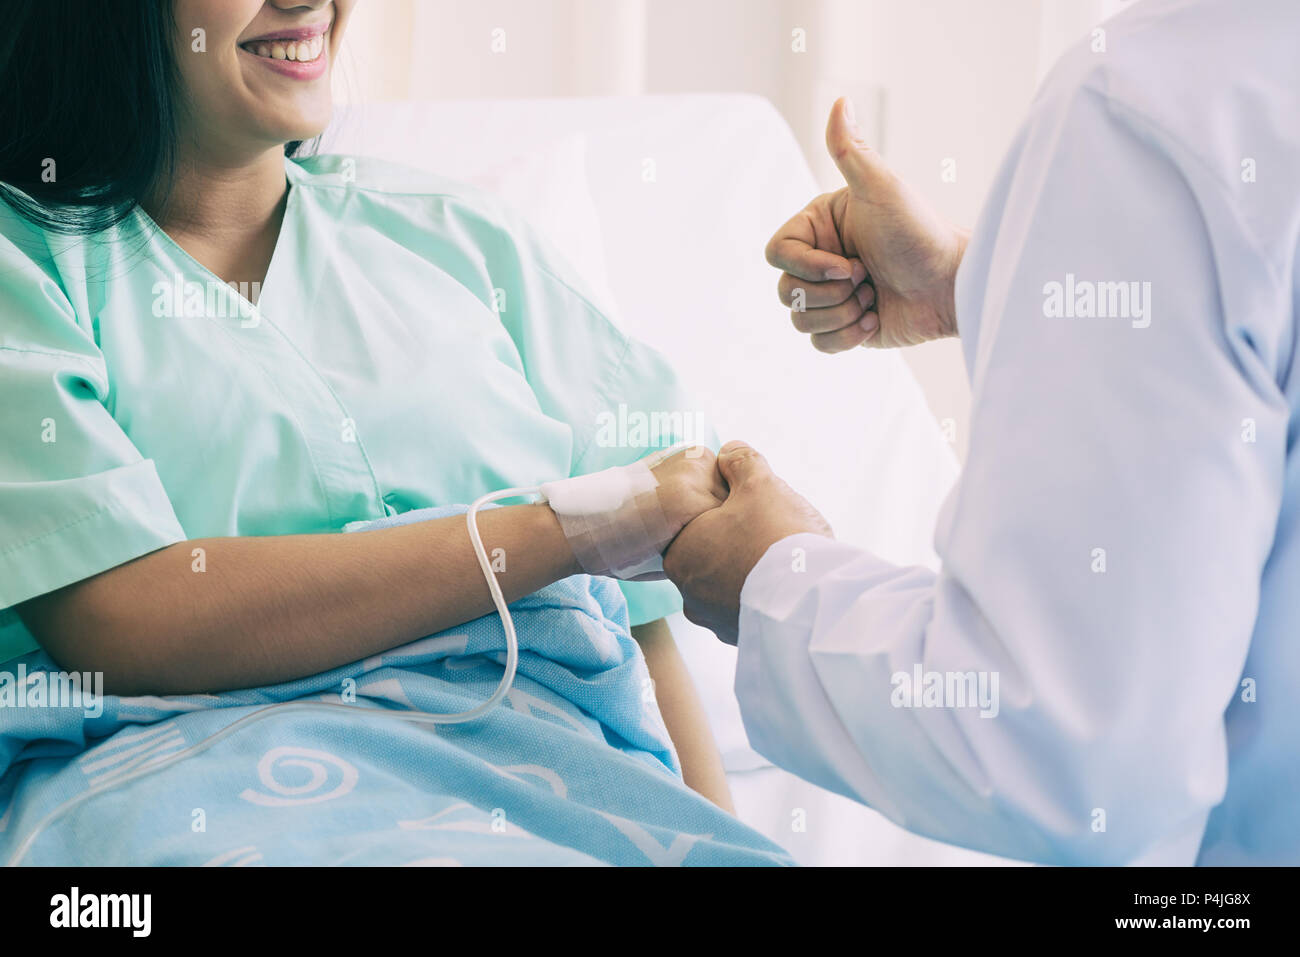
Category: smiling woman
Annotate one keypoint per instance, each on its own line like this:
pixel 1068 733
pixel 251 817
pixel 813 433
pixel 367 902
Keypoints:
pixel 174 482
pixel 172 82
pixel 244 84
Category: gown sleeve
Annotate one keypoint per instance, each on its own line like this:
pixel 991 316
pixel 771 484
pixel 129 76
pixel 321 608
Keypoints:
pixel 76 496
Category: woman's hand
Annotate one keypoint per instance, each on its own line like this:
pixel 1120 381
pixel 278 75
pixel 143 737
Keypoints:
pixel 689 485
pixel 619 521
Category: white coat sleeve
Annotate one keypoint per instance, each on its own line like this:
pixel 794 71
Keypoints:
pixel 1101 554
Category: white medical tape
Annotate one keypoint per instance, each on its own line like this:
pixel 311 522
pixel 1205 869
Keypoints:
pixel 613 520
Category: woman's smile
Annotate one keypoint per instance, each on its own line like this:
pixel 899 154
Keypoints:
pixel 301 53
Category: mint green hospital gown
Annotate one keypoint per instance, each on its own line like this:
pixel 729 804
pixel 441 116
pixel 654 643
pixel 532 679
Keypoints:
pixel 413 345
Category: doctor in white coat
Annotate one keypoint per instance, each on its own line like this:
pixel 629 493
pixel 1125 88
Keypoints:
pixel 1106 669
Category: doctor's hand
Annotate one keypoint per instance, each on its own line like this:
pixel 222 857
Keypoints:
pixel 713 555
pixel 876 264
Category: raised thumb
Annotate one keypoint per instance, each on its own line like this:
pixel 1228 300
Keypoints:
pixel 861 165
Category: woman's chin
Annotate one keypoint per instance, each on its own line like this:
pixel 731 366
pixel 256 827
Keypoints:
pixel 305 133
pixel 297 121
pixel 304 129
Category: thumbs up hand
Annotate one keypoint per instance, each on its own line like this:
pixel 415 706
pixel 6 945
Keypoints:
pixel 871 264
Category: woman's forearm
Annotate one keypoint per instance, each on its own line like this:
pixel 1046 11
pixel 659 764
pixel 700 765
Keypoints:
pixel 683 714
pixel 268 609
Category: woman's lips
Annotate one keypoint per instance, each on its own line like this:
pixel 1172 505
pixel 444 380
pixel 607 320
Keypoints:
pixel 301 54
pixel 292 33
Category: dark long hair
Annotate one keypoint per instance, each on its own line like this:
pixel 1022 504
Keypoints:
pixel 92 89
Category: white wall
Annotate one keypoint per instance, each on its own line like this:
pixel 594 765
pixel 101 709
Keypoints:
pixel 933 80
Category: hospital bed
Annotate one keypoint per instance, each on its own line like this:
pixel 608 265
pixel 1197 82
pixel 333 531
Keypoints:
pixel 663 205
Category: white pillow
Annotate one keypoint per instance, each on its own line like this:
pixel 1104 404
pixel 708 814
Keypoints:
pixel 548 188
pixel 546 183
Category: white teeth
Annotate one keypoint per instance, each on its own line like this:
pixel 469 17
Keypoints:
pixel 302 51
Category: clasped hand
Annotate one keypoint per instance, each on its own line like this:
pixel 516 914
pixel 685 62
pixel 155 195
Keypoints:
pixel 741 509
